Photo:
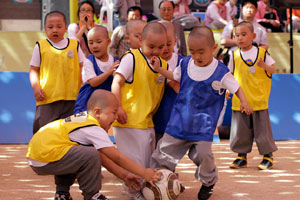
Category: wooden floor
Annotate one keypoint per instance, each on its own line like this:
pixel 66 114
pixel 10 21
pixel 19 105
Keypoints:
pixel 18 181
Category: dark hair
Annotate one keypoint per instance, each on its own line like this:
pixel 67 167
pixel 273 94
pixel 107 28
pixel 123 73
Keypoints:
pixel 55 13
pixel 134 8
pixel 85 2
pixel 254 2
pixel 173 4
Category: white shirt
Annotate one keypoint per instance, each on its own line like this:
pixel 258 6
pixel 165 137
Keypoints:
pixel 250 54
pixel 203 73
pixel 261 34
pixel 88 71
pixel 90 135
pixel 36 57
pixel 231 11
pixel 126 66
pixel 172 62
pixel 73 30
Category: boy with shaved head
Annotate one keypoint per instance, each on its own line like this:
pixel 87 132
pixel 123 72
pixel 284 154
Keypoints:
pixel 76 147
pixel 253 68
pixel 134 29
pixel 55 68
pixel 97 68
pixel 203 81
pixel 139 89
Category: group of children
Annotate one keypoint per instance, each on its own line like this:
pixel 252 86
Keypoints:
pixel 161 105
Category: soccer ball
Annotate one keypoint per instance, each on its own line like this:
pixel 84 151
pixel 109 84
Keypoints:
pixel 168 188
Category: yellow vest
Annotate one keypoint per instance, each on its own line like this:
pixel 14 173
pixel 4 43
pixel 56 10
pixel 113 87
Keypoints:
pixel 141 97
pixel 59 71
pixel 52 141
pixel 257 85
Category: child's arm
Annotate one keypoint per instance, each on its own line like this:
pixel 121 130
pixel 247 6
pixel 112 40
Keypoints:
pixel 131 180
pixel 117 83
pixel 34 76
pixel 269 68
pixel 244 103
pixel 174 85
pixel 123 161
pixel 96 81
pixel 154 61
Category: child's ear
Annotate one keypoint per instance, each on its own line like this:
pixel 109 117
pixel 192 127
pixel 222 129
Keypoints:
pixel 96 112
pixel 254 36
pixel 140 37
pixel 127 37
pixel 108 41
pixel 215 46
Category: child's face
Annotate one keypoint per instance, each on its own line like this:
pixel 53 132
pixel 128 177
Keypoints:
pixel 55 28
pixel 154 44
pixel 168 50
pixel 135 35
pixel 98 43
pixel 108 115
pixel 201 51
pixel 244 37
pixel 134 14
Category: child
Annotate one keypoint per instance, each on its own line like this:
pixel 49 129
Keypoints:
pixel 97 68
pixel 195 113
pixel 55 69
pixel 162 115
pixel 134 29
pixel 139 90
pixel 252 67
pixel 119 44
pixel 75 147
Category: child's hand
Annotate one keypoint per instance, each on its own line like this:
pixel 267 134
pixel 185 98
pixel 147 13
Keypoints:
pixel 39 94
pixel 154 61
pixel 133 182
pixel 246 108
pixel 151 175
pixel 227 95
pixel 122 116
pixel 114 66
pixel 261 63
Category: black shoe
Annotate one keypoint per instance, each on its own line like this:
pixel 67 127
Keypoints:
pixel 63 196
pixel 99 196
pixel 239 162
pixel 266 163
pixel 205 192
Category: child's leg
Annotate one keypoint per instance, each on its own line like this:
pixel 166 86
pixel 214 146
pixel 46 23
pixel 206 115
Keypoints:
pixel 82 161
pixel 263 132
pixel 168 152
pixel 201 154
pixel 241 133
pixel 64 182
pixel 137 144
pixel 51 112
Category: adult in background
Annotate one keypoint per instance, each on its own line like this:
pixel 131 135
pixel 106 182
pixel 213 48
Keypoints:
pixel 78 31
pixel 166 10
pixel 120 10
pixel 216 15
pixel 249 8
pixel 267 17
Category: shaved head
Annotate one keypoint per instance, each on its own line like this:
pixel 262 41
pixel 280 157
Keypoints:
pixel 169 27
pixel 99 29
pixel 102 99
pixel 132 24
pixel 153 28
pixel 203 32
pixel 55 13
pixel 247 24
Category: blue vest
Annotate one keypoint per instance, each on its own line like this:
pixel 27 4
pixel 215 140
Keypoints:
pixel 162 115
pixel 86 90
pixel 197 107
